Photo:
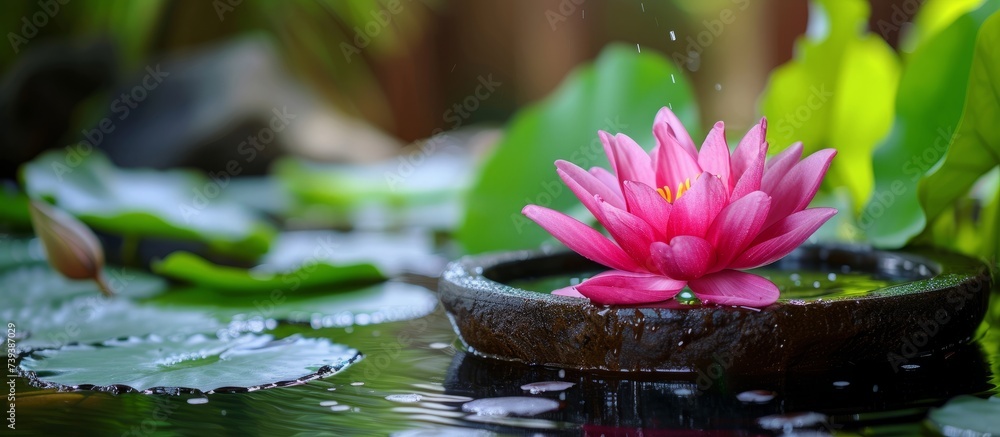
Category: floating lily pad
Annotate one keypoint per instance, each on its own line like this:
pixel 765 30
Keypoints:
pixel 968 416
pixel 392 253
pixel 147 203
pixel 381 303
pixel 197 270
pixel 188 364
pixel 49 310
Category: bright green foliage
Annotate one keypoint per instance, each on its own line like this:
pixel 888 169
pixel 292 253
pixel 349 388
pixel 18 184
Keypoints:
pixel 621 92
pixel 837 93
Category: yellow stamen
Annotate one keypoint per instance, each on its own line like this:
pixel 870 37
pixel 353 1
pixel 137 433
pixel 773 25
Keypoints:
pixel 681 189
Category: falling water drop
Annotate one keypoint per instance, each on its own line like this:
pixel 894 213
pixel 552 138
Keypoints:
pixel 673 37
pixel 718 87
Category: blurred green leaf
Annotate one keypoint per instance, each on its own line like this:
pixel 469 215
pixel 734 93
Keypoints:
pixel 196 270
pixel 975 149
pixel 146 203
pixel 837 93
pixel 929 105
pixel 621 92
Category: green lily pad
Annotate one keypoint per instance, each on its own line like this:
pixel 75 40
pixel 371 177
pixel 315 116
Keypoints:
pixel 188 364
pixel 392 253
pixel 49 310
pixel 147 203
pixel 968 416
pixel 197 270
pixel 620 92
pixel 929 105
pixel 19 251
pixel 381 303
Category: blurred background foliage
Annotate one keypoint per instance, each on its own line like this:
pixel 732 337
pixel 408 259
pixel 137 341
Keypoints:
pixel 446 115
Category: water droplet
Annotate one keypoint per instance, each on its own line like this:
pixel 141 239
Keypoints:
pixel 673 37
pixel 438 345
pixel 643 7
pixel 562 396
pixel 637 47
pixel 794 276
pixel 539 387
pixel 756 396
pixel 223 412
pixel 340 408
pixel 910 366
pixel 505 406
pixel 197 401
pixel 683 392
pixel 562 373
pixel 672 78
pixel 845 268
pixel 332 389
pixel 815 284
pixel 680 343
pixel 328 403
pixel 841 384
pixel 356 384
pixel 718 87
pixel 790 421
pixel 404 398
pixel 832 276
pixel 875 388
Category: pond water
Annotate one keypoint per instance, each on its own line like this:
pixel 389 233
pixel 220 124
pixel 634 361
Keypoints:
pixel 415 379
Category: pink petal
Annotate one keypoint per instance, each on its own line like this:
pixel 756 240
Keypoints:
pixel 714 154
pixel 751 179
pixel 778 167
pixel 568 292
pixel 608 179
pixel 665 115
pixel 626 288
pixel 674 165
pixel 694 212
pixel 685 258
pixel 799 186
pixel 647 204
pixel 631 161
pixel 737 226
pixel 782 237
pixel 731 287
pixel 632 233
pixel 584 185
pixel 608 141
pixel 580 238
pixel 748 149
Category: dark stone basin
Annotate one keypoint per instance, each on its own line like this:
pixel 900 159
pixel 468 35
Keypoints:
pixel 936 310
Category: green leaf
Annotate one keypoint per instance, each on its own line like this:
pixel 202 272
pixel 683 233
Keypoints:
pixel 146 203
pixel 196 270
pixel 929 105
pixel 837 93
pixel 621 92
pixel 967 415
pixel 975 149
pixel 196 363
pixel 379 303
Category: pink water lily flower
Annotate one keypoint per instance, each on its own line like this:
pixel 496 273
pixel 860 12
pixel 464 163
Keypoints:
pixel 679 216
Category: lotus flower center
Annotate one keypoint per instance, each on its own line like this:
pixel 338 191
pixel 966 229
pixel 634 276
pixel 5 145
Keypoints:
pixel 671 196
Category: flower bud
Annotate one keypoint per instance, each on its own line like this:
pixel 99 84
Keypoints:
pixel 70 246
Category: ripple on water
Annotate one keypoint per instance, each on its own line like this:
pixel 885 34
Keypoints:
pixel 756 396
pixel 404 398
pixel 544 386
pixel 505 406
pixel 791 421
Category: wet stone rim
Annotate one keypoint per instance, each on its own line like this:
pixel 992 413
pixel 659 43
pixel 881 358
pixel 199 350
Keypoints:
pixel 947 291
